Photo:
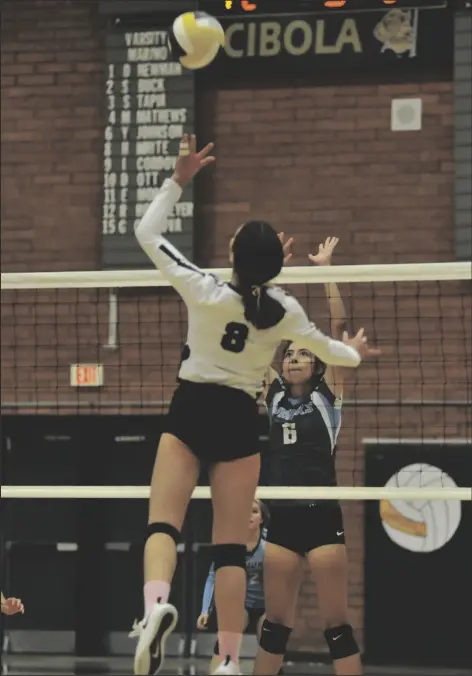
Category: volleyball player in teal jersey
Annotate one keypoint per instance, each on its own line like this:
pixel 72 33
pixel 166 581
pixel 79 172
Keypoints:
pixel 304 406
pixel 254 604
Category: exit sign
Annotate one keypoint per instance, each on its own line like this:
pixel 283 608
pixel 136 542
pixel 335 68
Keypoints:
pixel 86 375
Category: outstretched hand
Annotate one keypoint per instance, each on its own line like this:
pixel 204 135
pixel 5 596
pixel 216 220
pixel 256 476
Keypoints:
pixel 359 342
pixel 325 252
pixel 190 162
pixel 12 606
pixel 287 246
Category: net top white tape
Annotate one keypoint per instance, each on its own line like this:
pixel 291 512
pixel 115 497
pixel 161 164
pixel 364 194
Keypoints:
pixel 263 493
pixel 401 272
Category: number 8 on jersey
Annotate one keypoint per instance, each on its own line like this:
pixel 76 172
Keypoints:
pixel 234 338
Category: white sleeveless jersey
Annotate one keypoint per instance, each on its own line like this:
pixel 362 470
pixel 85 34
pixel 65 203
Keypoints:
pixel 223 347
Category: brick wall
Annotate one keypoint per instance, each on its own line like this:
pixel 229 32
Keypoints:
pixel 52 139
pixel 314 161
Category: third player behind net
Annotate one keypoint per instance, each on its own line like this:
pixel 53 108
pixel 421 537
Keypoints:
pixel 254 604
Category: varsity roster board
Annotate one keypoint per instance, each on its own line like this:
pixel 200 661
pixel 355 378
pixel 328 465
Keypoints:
pixel 150 103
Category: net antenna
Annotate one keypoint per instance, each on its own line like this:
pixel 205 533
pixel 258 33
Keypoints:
pixel 113 319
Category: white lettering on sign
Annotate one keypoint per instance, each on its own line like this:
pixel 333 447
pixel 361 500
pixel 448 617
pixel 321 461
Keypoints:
pixel 184 209
pixel 142 131
pixel 159 69
pixel 151 100
pixel 166 116
pixel 147 179
pixel 148 54
pixel 151 86
pixel 146 39
pixel 148 131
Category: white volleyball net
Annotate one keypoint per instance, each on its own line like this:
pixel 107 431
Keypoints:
pixel 89 364
pixel 108 343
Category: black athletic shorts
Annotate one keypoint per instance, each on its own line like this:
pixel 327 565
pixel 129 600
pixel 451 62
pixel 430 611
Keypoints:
pixel 254 615
pixel 216 422
pixel 302 528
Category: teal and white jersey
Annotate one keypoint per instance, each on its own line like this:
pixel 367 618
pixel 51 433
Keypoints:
pixel 255 582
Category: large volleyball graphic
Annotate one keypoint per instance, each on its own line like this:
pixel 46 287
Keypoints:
pixel 420 525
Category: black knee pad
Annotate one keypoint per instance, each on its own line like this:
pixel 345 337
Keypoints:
pixel 274 637
pixel 216 649
pixel 229 555
pixel 161 527
pixel 341 642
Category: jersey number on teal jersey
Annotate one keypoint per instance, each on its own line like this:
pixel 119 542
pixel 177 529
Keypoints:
pixel 290 433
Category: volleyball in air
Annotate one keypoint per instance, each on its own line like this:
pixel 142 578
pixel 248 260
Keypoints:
pixel 195 39
pixel 421 525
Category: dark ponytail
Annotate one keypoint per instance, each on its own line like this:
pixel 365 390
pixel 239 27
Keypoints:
pixel 258 258
pixel 260 309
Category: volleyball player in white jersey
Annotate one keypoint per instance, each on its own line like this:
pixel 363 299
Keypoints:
pixel 233 332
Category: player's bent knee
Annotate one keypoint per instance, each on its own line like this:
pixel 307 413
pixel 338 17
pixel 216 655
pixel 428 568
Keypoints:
pixel 274 637
pixel 229 555
pixel 341 642
pixel 166 528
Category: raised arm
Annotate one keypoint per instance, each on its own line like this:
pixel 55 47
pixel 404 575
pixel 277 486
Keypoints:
pixel 337 311
pixel 274 370
pixel 347 353
pixel 186 278
pixel 271 374
pixel 330 351
pixel 334 376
